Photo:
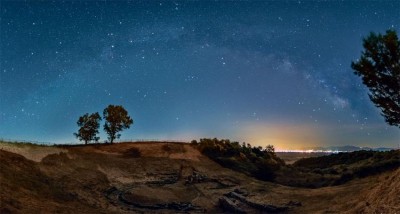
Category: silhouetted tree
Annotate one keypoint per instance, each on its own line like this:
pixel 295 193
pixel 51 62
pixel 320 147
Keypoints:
pixel 89 127
pixel 379 67
pixel 194 142
pixel 116 120
pixel 270 149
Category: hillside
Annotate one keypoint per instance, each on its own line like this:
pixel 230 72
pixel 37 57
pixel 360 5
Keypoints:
pixel 165 177
pixel 337 169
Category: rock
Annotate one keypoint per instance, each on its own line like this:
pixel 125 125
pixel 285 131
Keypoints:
pixel 230 206
pixel 169 178
pixel 267 207
pixel 180 206
pixel 237 196
pixel 255 205
pixel 195 177
pixel 241 191
pixel 294 203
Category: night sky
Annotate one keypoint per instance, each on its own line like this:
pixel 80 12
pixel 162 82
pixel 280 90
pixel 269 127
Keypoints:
pixel 262 72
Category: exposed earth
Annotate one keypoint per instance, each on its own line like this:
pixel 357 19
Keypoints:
pixel 167 178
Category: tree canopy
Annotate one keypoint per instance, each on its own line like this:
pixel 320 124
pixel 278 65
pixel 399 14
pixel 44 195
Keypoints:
pixel 116 120
pixel 379 67
pixel 256 161
pixel 89 127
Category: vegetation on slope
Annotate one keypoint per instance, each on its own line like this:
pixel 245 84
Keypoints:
pixel 264 164
pixel 258 162
pixel 314 172
pixel 338 168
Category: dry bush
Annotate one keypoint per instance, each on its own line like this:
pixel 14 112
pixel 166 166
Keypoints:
pixel 173 148
pixel 132 153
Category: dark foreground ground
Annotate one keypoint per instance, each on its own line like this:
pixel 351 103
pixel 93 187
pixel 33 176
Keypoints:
pixel 167 178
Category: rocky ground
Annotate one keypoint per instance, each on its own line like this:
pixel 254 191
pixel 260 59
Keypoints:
pixel 166 178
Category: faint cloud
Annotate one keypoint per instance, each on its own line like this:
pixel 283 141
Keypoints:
pixel 286 66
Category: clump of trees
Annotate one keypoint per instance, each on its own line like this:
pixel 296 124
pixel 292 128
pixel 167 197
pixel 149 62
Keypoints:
pixel 379 67
pixel 255 161
pixel 116 120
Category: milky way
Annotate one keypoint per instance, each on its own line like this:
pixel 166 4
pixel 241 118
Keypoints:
pixel 261 72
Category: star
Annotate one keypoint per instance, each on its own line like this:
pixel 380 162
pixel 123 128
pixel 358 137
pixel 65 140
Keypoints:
pixel 229 70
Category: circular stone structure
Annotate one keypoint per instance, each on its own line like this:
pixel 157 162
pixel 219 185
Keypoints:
pixel 159 197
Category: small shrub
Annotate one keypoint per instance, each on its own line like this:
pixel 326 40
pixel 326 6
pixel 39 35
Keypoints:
pixel 344 178
pixel 132 153
pixel 166 148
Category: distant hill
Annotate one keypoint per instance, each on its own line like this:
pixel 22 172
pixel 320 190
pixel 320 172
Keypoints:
pixel 337 168
pixel 347 148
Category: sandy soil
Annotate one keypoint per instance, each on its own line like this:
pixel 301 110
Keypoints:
pixel 382 197
pixel 31 152
pixel 106 179
pixel 154 149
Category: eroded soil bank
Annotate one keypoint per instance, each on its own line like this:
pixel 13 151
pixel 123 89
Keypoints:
pixel 167 178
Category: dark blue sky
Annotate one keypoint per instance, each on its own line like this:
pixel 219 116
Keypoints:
pixel 261 72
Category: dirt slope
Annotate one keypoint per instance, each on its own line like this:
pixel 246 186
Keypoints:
pixel 383 197
pixel 167 178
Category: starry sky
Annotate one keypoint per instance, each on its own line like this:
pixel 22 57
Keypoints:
pixel 264 72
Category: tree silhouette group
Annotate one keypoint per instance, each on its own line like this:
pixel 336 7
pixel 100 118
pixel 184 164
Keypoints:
pixel 378 66
pixel 116 119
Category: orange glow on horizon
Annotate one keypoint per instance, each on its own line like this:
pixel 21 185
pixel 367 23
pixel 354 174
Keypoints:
pixel 283 136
